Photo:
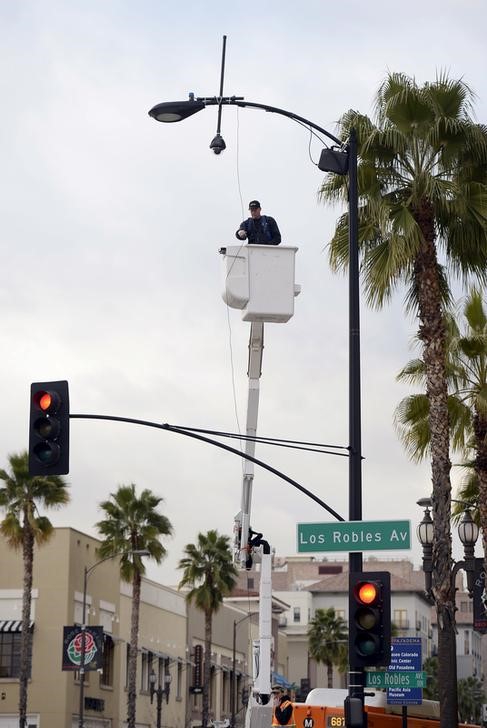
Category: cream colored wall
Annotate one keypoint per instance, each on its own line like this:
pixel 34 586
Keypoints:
pixel 162 631
pixel 58 586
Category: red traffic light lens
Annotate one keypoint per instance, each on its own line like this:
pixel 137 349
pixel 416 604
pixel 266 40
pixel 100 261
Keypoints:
pixel 367 592
pixel 47 401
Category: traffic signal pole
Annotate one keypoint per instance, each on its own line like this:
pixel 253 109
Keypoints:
pixel 354 712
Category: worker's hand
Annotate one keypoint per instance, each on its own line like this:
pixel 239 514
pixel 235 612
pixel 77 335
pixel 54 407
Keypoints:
pixel 242 234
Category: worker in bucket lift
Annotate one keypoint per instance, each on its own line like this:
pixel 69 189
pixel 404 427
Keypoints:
pixel 259 229
pixel 282 713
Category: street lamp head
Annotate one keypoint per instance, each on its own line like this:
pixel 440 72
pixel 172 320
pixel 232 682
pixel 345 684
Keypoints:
pixel 425 529
pixel 468 530
pixel 424 502
pixel 171 111
pixel 167 685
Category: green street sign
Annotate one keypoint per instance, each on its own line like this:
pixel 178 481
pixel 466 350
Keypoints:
pixel 354 536
pixel 395 679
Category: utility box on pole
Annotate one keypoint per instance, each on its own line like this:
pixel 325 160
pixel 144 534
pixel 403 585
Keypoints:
pixel 259 279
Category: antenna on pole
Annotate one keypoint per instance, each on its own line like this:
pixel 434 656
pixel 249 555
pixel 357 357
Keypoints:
pixel 217 143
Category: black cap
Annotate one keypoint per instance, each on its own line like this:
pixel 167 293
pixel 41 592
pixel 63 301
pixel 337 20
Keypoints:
pixel 254 203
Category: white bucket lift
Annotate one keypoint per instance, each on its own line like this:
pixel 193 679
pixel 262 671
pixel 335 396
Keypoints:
pixel 260 280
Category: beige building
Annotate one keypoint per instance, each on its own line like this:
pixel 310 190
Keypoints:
pixel 54 694
pixel 170 632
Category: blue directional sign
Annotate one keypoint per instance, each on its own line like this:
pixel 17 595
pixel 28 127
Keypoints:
pixel 405 657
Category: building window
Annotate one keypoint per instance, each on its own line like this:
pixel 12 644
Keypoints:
pixel 250 582
pixel 466 636
pixel 330 569
pixel 9 654
pixel 108 656
pixel 296 614
pixel 147 658
pixel 400 618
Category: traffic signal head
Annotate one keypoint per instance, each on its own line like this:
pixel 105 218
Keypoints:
pixel 49 428
pixel 369 619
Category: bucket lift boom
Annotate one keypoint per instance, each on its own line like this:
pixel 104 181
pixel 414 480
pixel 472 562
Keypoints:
pixel 259 279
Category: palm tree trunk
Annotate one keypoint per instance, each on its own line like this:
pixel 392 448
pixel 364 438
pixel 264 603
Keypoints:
pixel 26 637
pixel 133 649
pixel 480 433
pixel 207 670
pixel 432 335
pixel 329 671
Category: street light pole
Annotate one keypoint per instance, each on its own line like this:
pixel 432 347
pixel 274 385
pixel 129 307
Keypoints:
pixel 86 572
pixel 468 532
pixel 159 692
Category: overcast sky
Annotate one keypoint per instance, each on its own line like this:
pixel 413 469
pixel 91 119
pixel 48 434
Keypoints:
pixel 111 225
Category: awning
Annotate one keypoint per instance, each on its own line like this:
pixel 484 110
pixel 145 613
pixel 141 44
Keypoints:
pixel 278 679
pixel 13 625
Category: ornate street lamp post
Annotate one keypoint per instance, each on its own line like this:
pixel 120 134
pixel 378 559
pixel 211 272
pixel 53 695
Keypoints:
pixel 468 532
pixel 87 571
pixel 159 692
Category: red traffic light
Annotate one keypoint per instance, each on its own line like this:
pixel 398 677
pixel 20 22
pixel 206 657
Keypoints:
pixel 49 428
pixel 367 592
pixel 369 619
pixel 47 401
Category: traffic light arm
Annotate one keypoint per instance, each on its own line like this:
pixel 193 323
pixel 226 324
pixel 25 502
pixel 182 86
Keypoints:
pixel 228 448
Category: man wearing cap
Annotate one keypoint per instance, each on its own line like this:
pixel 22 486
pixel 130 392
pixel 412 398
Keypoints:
pixel 283 713
pixel 259 229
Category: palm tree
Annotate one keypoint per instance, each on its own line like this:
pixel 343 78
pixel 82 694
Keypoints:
pixel 23 526
pixel 132 523
pixel 430 666
pixel 209 573
pixel 466 368
pixel 471 695
pixel 328 641
pixel 421 177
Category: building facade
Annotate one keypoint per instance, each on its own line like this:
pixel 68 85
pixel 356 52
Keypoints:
pixel 169 631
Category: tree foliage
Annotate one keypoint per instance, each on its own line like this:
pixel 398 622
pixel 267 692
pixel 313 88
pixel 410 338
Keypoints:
pixel 209 573
pixel 328 641
pixel 466 370
pixel 133 523
pixel 22 497
pixel 422 176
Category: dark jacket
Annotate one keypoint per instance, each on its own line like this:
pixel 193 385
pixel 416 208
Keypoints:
pixel 263 231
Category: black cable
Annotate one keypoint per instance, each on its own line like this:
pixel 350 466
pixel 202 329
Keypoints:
pixel 194 435
pixel 257 438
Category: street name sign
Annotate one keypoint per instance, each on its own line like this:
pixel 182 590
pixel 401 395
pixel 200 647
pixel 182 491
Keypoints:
pixel 405 657
pixel 354 536
pixel 382 679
